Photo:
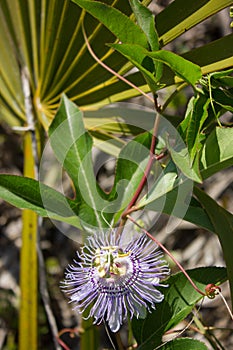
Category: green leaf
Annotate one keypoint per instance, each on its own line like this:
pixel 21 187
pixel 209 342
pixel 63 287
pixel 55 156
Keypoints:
pixel 193 124
pixel 121 119
pixel 183 68
pixel 184 344
pixel 226 81
pixel 140 59
pixel 117 22
pixel 179 300
pixel 166 181
pixel 222 78
pixel 222 222
pixel 145 19
pixel 72 146
pixel 223 98
pixel 26 193
pixel 178 203
pixel 217 153
pixel 217 55
pixel 197 215
pixel 181 158
pixel 130 167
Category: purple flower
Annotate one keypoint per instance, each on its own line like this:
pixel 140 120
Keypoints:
pixel 116 282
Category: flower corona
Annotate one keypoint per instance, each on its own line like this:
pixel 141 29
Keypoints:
pixel 115 282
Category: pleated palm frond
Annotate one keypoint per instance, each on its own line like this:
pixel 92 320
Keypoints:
pixel 46 37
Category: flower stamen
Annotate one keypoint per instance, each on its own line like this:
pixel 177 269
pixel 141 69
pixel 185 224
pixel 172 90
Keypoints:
pixel 118 282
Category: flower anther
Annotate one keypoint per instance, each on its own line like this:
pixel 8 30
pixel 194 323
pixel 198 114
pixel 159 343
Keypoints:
pixel 115 282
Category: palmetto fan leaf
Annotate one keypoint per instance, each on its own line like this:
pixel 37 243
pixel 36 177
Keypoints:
pixel 46 37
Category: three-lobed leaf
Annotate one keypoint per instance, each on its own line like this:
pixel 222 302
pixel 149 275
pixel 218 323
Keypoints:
pixel 186 70
pixel 116 21
pixel 141 58
pixel 72 146
pixel 179 300
pixel 145 20
pixel 27 193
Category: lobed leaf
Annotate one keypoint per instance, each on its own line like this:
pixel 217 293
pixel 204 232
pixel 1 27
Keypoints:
pixel 116 21
pixel 181 158
pixel 192 125
pixel 141 58
pixel 166 182
pixel 183 68
pixel 222 221
pixel 217 55
pixel 219 140
pixel 223 98
pixel 179 299
pixel 26 193
pixel 72 146
pixel 145 20
pixel 130 167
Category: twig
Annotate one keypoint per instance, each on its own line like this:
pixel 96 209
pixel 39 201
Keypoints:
pixel 147 170
pixel 110 69
pixel 66 330
pixel 227 306
pixel 131 207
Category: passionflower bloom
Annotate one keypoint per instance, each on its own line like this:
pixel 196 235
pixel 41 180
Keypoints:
pixel 115 282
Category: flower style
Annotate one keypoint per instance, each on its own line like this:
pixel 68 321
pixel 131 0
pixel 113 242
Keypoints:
pixel 116 282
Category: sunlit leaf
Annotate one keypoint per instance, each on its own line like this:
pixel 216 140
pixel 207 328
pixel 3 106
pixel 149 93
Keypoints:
pixel 72 146
pixel 26 193
pixel 117 22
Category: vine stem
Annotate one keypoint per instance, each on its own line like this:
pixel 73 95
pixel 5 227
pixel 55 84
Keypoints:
pixel 147 170
pixel 169 254
pixel 131 206
pixel 227 306
pixel 110 69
